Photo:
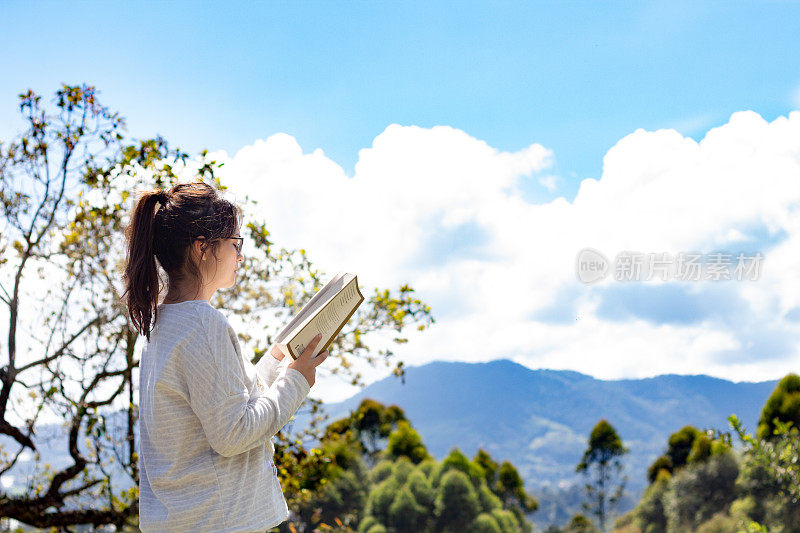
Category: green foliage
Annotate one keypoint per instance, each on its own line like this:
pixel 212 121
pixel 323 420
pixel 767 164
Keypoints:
pixel 511 491
pixel 756 489
pixel 604 446
pixel 701 449
pixel 771 475
pixel 680 445
pixel 381 471
pixel 368 522
pixel 405 441
pixel 489 501
pixel 427 466
pixel 602 464
pixel 579 524
pixel 381 498
pixel 662 464
pixel 405 514
pixel 707 445
pixel 457 503
pixel 719 523
pixel 626 523
pixel 332 484
pixel 698 493
pixel 402 469
pixel 421 489
pixel 458 461
pixel 404 498
pixel 485 523
pixel 368 427
pixel 485 461
pixel 340 497
pixel 688 446
pixel 783 405
pixel 651 513
pixel 508 521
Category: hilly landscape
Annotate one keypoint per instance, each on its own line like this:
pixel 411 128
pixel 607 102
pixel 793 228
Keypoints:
pixel 540 420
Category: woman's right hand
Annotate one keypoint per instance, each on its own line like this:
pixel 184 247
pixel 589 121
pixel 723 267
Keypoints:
pixel 305 364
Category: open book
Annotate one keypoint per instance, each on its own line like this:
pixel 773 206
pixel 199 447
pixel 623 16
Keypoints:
pixel 326 313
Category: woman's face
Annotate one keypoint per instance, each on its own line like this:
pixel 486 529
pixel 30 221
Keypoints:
pixel 223 274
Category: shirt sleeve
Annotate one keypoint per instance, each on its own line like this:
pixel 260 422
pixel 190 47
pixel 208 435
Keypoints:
pixel 268 367
pixel 233 420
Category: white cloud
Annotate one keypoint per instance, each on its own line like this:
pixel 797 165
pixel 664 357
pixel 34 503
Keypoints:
pixel 549 182
pixel 659 192
pixel 441 210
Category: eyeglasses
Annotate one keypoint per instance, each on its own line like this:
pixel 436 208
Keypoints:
pixel 239 243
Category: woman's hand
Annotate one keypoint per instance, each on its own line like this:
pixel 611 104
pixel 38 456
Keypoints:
pixel 305 364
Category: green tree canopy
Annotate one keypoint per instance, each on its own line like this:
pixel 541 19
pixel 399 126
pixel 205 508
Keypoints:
pixel 783 405
pixel 680 445
pixel 601 463
pixel 579 524
pixel 406 442
pixel 369 426
pixel 457 503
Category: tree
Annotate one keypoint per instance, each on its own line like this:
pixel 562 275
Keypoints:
pixel 58 376
pixel 661 464
pixel 444 496
pixel 770 474
pixel 485 461
pixel 701 490
pixel 510 489
pixel 66 186
pixel 406 442
pixel 369 427
pixel 679 446
pixel 579 524
pixel 651 513
pixel 601 463
pixel 405 514
pixel 457 503
pixel 783 405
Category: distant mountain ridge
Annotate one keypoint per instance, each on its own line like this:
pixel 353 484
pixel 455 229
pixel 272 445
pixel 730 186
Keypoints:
pixel 540 419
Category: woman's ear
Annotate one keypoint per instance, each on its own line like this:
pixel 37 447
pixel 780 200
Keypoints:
pixel 198 246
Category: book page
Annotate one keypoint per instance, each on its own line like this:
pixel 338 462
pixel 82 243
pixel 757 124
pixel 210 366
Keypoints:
pixel 316 306
pixel 307 309
pixel 332 315
pixel 330 319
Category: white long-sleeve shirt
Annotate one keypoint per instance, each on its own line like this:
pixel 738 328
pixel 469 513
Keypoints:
pixel 207 417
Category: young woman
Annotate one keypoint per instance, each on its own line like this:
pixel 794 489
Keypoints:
pixel 206 414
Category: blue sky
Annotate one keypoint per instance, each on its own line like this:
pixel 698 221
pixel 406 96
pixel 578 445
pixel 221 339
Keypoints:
pixel 490 99
pixel 573 76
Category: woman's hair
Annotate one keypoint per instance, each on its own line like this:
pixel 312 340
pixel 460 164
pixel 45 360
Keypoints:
pixel 187 211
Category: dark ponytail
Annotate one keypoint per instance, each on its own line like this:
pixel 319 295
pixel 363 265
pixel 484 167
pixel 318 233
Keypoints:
pixel 163 225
